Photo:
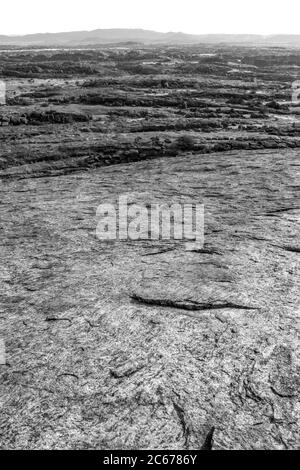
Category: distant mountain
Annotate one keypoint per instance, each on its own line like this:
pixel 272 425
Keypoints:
pixel 98 36
pixel 113 36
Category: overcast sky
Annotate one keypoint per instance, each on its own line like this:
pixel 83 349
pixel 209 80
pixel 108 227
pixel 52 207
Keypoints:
pixel 190 16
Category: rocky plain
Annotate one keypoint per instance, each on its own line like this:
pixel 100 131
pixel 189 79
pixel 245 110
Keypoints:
pixel 141 343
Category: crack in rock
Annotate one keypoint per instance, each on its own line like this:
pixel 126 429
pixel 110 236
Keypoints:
pixel 208 443
pixel 190 305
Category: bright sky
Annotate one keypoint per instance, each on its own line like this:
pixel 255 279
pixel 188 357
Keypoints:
pixel 190 16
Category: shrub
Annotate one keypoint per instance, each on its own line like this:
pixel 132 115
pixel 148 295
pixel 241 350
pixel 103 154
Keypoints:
pixel 186 142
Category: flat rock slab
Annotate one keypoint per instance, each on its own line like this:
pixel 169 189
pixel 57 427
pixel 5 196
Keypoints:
pixel 143 344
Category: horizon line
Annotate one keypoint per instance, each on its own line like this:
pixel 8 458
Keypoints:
pixel 12 35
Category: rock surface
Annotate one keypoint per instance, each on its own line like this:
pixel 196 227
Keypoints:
pixel 142 344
